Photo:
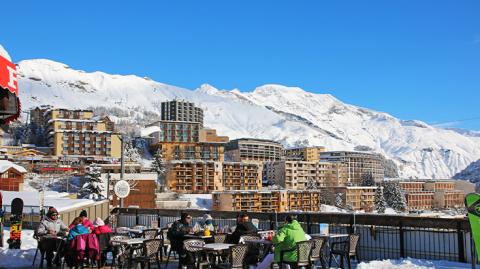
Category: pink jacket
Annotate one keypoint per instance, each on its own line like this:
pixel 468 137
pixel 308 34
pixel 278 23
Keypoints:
pixel 86 223
pixel 104 229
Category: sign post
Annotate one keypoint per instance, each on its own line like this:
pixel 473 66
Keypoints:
pixel 122 190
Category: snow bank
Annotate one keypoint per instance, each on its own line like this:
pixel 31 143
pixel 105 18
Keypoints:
pixel 52 198
pixel 15 258
pixel 410 263
pixel 198 201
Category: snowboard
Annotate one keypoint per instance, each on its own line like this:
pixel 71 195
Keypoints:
pixel 472 203
pixel 16 216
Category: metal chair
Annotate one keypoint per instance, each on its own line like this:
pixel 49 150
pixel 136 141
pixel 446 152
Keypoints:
pixel 150 233
pixel 304 251
pixel 237 256
pixel 345 249
pixel 165 244
pixel 195 247
pixel 151 248
pixel 317 252
pixel 220 238
pixel 118 250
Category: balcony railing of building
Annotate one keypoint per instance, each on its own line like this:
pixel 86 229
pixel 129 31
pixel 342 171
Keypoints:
pixel 381 236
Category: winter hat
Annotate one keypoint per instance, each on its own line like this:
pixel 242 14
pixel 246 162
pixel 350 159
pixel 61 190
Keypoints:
pixel 83 213
pixel 51 210
pixel 207 217
pixel 98 222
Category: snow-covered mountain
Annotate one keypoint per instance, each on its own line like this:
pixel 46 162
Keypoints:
pixel 286 114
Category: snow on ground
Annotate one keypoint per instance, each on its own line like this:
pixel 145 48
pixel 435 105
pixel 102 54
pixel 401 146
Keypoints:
pixel 198 201
pixel 332 209
pixel 15 258
pixel 52 198
pixel 410 263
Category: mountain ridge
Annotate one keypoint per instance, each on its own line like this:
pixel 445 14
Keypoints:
pixel 290 115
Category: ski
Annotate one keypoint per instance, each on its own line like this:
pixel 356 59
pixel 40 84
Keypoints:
pixel 16 216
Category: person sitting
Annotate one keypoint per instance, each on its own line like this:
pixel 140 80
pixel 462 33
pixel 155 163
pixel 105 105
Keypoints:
pixel 49 229
pixel 207 223
pixel 244 227
pixel 77 229
pixel 286 238
pixel 101 227
pixel 176 234
pixel 85 221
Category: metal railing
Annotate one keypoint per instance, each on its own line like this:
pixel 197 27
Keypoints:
pixel 381 236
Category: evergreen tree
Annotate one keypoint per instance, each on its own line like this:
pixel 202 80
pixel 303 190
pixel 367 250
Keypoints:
pixel 131 153
pixel 367 180
pixel 394 196
pixel 379 201
pixel 311 184
pixel 93 186
pixel 339 200
pixel 159 166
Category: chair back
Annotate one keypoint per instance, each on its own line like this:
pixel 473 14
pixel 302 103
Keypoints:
pixel 193 245
pixel 220 238
pixel 248 237
pixel 317 248
pixel 122 230
pixel 151 247
pixel 304 250
pixel 352 244
pixel 238 253
pixel 164 237
pixel 150 233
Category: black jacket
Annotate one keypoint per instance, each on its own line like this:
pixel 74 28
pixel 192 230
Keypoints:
pixel 243 228
pixel 176 234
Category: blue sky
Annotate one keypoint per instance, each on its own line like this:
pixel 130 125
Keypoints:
pixel 412 59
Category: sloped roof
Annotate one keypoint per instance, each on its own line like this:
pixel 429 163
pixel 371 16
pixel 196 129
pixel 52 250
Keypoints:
pixel 5 165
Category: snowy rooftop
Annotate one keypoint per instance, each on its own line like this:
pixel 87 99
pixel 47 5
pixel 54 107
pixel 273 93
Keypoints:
pixel 5 165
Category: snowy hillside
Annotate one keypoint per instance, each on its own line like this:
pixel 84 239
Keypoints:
pixel 290 115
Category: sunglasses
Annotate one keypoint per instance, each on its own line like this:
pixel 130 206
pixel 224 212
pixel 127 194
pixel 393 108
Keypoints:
pixel 54 214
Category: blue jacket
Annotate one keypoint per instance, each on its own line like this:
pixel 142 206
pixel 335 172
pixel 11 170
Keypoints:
pixel 77 230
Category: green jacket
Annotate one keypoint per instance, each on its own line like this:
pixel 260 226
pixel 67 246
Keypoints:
pixel 287 238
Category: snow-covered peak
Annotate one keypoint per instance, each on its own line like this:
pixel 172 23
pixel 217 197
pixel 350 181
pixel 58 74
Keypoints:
pixel 4 53
pixel 207 89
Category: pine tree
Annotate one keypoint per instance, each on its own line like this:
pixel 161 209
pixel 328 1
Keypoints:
pixel 379 200
pixel 394 196
pixel 311 184
pixel 367 180
pixel 131 153
pixel 93 187
pixel 339 200
pixel 159 166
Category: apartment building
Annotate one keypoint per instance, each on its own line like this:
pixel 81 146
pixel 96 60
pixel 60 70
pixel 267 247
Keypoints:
pixel 359 164
pixel 176 131
pixel 435 194
pixel 301 175
pixel 196 176
pixel 309 154
pixel 352 197
pixel 419 200
pixel 267 201
pixel 250 149
pixel 77 133
pixel 210 135
pixel 178 110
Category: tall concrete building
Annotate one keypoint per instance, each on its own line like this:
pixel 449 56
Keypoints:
pixel 178 110
pixel 251 149
pixel 359 164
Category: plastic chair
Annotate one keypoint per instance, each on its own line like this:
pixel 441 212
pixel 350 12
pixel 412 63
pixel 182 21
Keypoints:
pixel 237 256
pixel 304 251
pixel 317 252
pixel 151 248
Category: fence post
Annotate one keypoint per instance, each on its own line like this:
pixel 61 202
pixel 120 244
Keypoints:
pixel 136 217
pixel 460 240
pixel 272 222
pixel 402 241
pixel 309 223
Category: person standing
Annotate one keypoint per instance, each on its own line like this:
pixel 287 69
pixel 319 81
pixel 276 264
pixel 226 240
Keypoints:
pixel 49 230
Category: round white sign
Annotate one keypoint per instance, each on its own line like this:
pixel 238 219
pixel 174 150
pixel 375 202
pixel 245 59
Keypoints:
pixel 122 189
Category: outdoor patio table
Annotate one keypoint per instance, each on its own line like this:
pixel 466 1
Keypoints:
pixel 131 242
pixel 217 246
pixel 328 238
pixel 193 236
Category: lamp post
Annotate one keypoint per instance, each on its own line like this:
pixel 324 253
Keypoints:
pixel 122 164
